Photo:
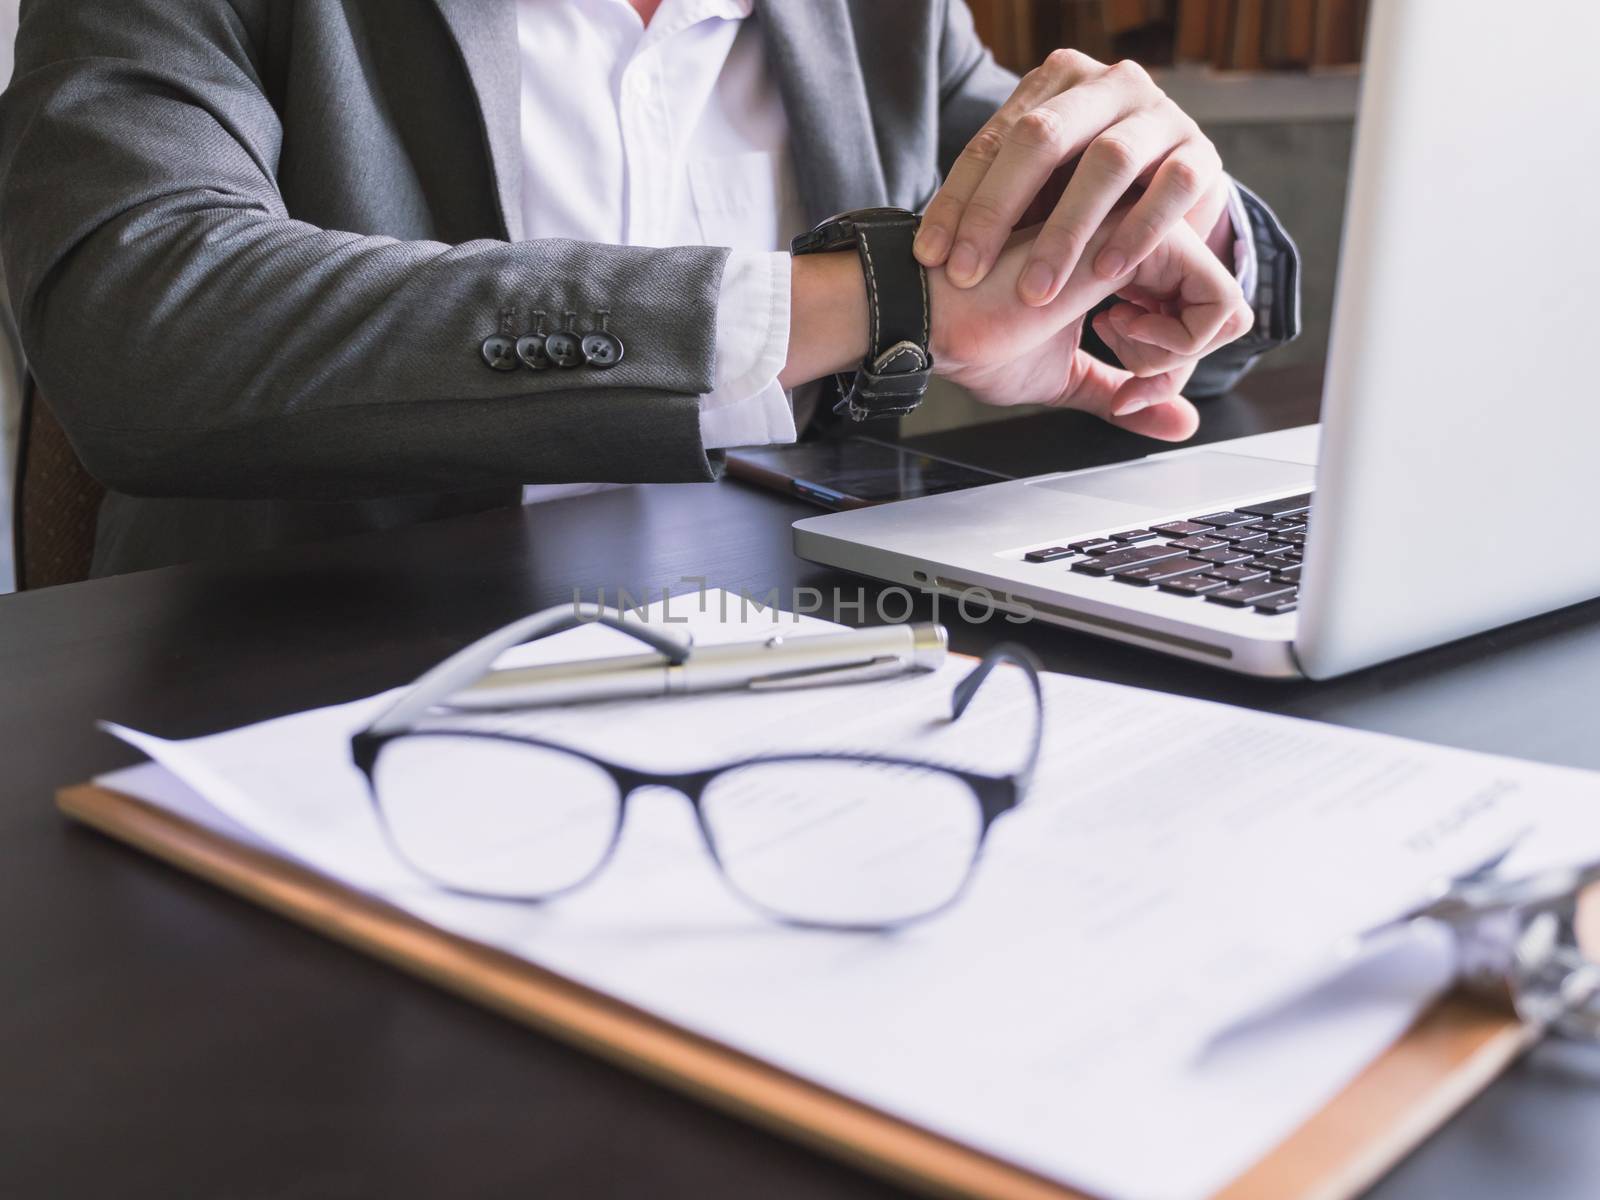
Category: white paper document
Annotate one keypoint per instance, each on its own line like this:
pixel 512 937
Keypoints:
pixel 1177 866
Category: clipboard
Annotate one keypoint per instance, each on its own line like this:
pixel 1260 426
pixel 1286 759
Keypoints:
pixel 1449 1055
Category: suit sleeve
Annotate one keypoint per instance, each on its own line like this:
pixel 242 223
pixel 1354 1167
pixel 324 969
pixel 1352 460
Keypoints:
pixel 196 340
pixel 973 86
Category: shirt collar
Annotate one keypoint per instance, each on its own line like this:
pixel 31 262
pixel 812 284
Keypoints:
pixel 675 15
pixel 728 10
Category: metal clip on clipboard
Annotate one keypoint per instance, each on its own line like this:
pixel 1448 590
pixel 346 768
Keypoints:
pixel 1518 943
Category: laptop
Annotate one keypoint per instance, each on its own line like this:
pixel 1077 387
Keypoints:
pixel 1453 485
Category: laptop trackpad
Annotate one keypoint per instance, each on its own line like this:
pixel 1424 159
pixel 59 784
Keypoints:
pixel 1188 480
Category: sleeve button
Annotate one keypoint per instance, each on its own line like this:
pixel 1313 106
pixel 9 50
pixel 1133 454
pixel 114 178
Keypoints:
pixel 530 349
pixel 602 349
pixel 500 352
pixel 564 348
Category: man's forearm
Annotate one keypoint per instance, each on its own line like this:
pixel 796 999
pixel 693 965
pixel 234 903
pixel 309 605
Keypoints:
pixel 827 317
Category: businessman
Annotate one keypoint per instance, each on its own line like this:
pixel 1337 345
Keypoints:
pixel 292 268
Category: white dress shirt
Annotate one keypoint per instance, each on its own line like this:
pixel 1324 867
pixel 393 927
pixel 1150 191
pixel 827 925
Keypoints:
pixel 674 134
pixel 670 134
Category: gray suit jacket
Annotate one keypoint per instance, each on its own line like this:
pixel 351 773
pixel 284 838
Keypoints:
pixel 254 247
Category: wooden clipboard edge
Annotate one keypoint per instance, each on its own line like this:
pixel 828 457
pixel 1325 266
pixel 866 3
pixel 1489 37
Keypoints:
pixel 1452 1052
pixel 711 1072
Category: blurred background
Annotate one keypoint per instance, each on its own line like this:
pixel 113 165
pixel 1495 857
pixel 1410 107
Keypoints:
pixel 1274 84
pixel 1227 35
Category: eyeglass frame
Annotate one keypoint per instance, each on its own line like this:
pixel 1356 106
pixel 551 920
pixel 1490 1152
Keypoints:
pixel 995 795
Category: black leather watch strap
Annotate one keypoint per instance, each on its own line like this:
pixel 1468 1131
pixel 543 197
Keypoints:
pixel 894 376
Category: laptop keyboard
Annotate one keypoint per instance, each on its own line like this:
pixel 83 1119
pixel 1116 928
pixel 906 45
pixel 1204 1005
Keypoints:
pixel 1249 557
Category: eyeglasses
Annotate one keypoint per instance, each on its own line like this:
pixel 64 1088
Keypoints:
pixel 832 840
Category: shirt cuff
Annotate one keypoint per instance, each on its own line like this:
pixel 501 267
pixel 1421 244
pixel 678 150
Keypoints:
pixel 1245 267
pixel 746 406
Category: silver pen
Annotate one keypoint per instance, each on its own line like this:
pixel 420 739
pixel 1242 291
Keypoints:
pixel 777 661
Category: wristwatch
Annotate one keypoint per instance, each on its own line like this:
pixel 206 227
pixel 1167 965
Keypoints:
pixel 893 378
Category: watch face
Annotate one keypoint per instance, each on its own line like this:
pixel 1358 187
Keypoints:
pixel 839 231
pixel 871 216
pixel 601 349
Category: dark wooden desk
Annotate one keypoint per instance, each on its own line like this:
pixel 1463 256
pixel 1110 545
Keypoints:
pixel 160 1038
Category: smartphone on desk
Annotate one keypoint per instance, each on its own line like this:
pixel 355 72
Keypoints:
pixel 853 472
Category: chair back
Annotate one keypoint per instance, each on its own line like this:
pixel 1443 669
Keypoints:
pixel 57 501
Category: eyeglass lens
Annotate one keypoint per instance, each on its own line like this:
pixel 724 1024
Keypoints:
pixel 495 817
pixel 843 842
pixel 823 841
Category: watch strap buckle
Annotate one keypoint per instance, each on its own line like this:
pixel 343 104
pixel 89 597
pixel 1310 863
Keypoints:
pixel 902 358
pixel 891 385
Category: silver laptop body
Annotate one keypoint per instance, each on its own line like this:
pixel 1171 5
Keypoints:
pixel 1457 480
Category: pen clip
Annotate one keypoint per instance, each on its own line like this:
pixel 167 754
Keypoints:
pixel 881 667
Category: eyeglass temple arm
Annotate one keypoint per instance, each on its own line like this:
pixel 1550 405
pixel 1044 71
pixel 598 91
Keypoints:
pixel 470 663
pixel 1018 656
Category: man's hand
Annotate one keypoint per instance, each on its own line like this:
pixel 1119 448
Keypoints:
pixel 1180 303
pixel 1126 131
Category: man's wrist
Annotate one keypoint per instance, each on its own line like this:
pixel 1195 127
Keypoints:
pixel 892 377
pixel 828 320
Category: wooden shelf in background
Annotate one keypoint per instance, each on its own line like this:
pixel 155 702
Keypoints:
pixel 1228 34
